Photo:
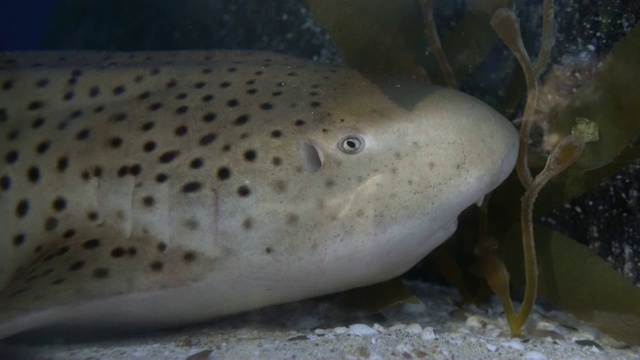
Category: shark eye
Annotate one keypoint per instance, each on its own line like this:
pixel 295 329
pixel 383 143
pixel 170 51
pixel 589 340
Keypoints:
pixel 351 144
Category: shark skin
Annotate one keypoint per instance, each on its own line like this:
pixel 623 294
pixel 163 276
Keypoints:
pixel 151 190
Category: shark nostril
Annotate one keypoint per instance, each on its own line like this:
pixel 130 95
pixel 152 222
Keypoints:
pixel 310 157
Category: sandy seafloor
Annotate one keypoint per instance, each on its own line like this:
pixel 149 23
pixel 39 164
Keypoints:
pixel 436 328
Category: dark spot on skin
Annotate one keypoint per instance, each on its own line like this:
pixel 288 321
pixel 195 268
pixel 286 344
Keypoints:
pixel 232 69
pixel 268 250
pixel 132 251
pixel 241 120
pixel 18 240
pixel 82 134
pixel 68 234
pixel 43 147
pixel 160 178
pixel 76 265
pixel 12 135
pixel 182 110
pixel 162 247
pixel 225 84
pixel 68 96
pixel 148 201
pixel 252 91
pixel 233 103
pixel 148 126
pixel 5 183
pixel 277 161
pixel 42 83
pixel 276 134
pixel 98 109
pixel 280 186
pixel 63 250
pixel 250 155
pixel 75 114
pixel 115 142
pixel 209 117
pixel 244 191
pixel 247 224
pixel 226 148
pixel 292 219
pixel 299 122
pixel 123 171
pixel 155 106
pixel 181 96
pixel 224 173
pixel 118 90
pixel 35 105
pixel 91 244
pixel 156 266
pixel 191 224
pixel 276 93
pixel 97 171
pixel 199 85
pixel 63 164
pixel 266 106
pixel 180 130
pixel 191 187
pixel 329 184
pixel 37 123
pixel 92 216
pixel 50 224
pixel 315 104
pixel 144 96
pixel 94 91
pixel 196 163
pixel 100 273
pixel 207 98
pixel 22 209
pixel 135 170
pixel 11 157
pixel 59 204
pixel 149 146
pixel 207 139
pixel 118 117
pixel 118 252
pixel 171 84
pixel 189 256
pixel 168 156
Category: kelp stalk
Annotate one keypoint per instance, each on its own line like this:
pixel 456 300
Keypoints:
pixel 507 26
pixel 434 41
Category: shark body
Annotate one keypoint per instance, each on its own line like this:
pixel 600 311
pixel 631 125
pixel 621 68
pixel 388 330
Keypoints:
pixel 148 190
